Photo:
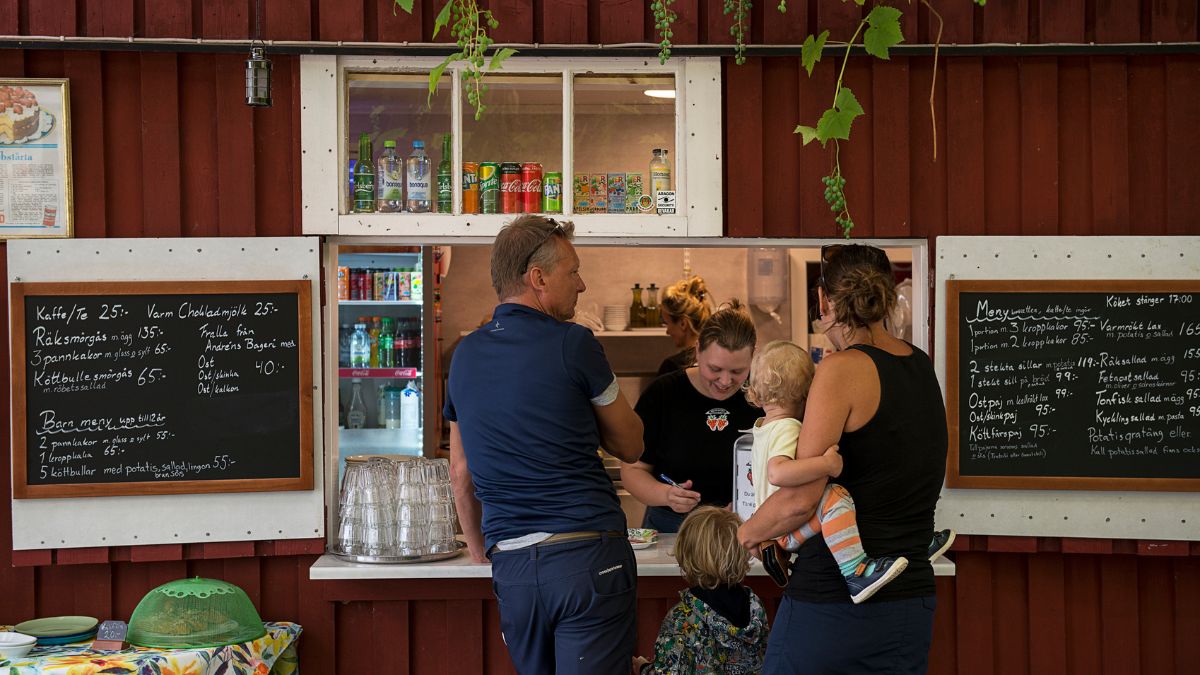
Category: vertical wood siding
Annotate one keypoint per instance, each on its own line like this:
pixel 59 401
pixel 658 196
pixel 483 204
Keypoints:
pixel 1025 146
pixel 603 21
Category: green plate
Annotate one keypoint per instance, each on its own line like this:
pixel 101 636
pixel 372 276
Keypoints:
pixel 54 626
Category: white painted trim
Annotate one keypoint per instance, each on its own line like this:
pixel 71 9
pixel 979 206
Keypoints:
pixel 181 518
pixel 320 174
pixel 697 136
pixel 568 144
pixel 1064 513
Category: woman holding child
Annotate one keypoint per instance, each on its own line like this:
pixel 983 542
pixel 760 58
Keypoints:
pixel 691 419
pixel 878 399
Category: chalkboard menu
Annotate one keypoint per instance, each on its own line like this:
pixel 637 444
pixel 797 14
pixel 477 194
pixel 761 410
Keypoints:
pixel 134 388
pixel 1074 384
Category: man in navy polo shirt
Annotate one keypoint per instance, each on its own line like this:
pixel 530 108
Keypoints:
pixel 530 399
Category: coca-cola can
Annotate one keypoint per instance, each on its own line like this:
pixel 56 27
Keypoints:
pixel 511 194
pixel 531 187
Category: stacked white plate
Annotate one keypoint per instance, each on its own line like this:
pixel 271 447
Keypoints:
pixel 616 317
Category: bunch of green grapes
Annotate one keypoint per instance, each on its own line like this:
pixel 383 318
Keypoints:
pixel 836 198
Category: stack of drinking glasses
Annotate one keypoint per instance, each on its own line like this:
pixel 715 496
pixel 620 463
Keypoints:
pixel 397 510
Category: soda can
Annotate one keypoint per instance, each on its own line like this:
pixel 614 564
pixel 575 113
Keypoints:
pixel 531 187
pixel 343 283
pixel 511 199
pixel 489 187
pixel 552 192
pixel 470 187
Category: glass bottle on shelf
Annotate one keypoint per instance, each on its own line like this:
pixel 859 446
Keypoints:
pixel 381 404
pixel 417 170
pixel 360 347
pixel 356 417
pixel 651 303
pixel 445 179
pixel 637 311
pixel 364 177
pixel 389 180
pixel 660 173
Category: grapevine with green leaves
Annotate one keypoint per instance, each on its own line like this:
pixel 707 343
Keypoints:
pixel 469 26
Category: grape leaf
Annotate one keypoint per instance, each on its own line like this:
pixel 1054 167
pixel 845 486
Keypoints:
pixel 810 51
pixel 809 134
pixel 836 121
pixel 883 31
pixel 436 74
pixel 834 124
pixel 443 18
pixel 847 102
pixel 499 57
pixel 405 5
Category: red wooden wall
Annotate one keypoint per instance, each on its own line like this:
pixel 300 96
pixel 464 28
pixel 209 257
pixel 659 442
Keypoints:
pixel 1087 145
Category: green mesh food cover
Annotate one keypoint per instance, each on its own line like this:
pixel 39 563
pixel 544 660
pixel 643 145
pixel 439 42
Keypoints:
pixel 195 613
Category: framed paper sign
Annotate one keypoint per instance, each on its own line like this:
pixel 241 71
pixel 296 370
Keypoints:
pixel 35 158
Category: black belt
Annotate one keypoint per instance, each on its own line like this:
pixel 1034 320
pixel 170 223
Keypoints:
pixel 563 538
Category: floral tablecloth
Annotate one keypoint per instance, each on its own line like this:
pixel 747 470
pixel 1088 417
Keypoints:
pixel 274 654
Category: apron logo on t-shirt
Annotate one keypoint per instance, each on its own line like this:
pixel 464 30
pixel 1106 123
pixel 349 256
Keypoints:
pixel 718 419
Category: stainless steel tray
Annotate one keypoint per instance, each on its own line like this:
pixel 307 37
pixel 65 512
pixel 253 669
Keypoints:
pixel 400 559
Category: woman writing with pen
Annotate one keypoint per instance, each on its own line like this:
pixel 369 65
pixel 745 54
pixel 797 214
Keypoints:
pixel 692 418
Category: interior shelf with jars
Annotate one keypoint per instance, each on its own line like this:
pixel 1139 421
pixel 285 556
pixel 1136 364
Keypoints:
pixel 380 322
pixel 620 146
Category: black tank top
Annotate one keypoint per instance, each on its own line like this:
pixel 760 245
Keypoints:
pixel 893 467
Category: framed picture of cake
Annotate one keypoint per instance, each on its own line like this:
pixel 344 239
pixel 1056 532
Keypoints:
pixel 35 159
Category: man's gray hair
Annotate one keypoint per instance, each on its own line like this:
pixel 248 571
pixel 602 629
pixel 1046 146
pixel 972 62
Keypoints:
pixel 522 244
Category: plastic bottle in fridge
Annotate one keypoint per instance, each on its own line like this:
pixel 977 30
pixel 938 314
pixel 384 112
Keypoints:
pixel 360 347
pixel 356 417
pixel 418 174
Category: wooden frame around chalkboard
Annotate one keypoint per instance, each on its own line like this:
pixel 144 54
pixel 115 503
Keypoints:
pixel 19 291
pixel 954 287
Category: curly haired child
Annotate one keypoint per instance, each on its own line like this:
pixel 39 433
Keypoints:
pixel 719 625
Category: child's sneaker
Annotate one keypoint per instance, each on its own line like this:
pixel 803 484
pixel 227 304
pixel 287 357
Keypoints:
pixel 876 573
pixel 942 540
pixel 775 561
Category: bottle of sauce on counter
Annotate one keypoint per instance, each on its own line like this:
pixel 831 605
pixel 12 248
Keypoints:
pixel 637 311
pixel 651 303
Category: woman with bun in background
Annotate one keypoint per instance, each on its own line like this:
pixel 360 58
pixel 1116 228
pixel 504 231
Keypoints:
pixel 690 421
pixel 878 399
pixel 685 306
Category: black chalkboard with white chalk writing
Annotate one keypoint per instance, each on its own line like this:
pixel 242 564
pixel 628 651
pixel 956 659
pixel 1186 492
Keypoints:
pixel 1074 384
pixel 132 388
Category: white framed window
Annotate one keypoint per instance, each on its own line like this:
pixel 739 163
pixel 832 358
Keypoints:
pixel 595 122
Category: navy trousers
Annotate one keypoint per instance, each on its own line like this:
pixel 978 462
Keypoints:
pixel 845 639
pixel 570 607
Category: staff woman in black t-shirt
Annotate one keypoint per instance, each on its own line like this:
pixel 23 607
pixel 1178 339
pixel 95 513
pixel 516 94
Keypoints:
pixel 685 306
pixel 878 399
pixel 691 419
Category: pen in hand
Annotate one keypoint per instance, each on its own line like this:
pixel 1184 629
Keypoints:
pixel 667 480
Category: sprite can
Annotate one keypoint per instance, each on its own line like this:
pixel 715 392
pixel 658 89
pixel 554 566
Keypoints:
pixel 552 192
pixel 489 187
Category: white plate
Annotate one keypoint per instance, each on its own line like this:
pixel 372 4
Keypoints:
pixel 642 545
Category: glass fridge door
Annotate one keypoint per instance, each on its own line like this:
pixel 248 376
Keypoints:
pixel 380 357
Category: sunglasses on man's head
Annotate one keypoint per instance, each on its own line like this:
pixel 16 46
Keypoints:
pixel 557 229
